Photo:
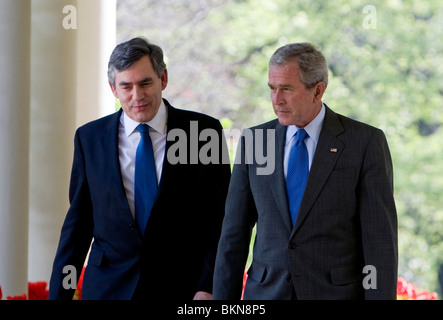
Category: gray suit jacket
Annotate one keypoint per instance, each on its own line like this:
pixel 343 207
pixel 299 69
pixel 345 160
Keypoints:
pixel 347 220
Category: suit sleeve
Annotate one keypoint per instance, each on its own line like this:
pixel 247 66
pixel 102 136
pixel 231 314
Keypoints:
pixel 76 233
pixel 378 218
pixel 240 217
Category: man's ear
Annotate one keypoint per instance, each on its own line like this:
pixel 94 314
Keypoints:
pixel 164 79
pixel 114 90
pixel 319 90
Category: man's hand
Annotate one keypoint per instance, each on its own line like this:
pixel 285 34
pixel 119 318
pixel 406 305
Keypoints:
pixel 201 295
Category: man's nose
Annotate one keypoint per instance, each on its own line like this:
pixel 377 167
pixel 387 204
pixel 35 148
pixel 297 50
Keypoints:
pixel 277 97
pixel 137 93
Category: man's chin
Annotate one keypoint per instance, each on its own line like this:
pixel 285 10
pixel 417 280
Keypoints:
pixel 141 114
pixel 284 121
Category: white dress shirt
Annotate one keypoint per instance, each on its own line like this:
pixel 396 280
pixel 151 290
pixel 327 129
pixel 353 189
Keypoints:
pixel 313 129
pixel 128 139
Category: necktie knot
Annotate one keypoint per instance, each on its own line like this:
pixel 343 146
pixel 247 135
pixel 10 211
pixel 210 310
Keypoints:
pixel 142 128
pixel 301 135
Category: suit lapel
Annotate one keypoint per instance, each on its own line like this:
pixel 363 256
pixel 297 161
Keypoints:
pixel 109 141
pixel 278 178
pixel 172 123
pixel 328 151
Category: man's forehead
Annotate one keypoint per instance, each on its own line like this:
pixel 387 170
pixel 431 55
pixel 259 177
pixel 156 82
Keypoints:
pixel 282 68
pixel 286 73
pixel 142 68
pixel 135 76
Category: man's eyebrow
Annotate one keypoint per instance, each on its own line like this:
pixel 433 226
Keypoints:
pixel 280 85
pixel 145 80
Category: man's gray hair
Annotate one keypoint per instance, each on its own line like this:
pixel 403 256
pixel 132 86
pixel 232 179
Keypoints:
pixel 127 53
pixel 312 63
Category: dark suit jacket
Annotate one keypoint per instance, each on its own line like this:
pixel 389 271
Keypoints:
pixel 175 258
pixel 347 220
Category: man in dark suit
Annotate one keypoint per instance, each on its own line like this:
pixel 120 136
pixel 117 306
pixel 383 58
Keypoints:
pixel 172 255
pixel 340 240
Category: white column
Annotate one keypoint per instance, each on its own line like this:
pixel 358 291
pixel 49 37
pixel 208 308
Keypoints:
pixel 96 36
pixel 53 118
pixel 14 145
pixel 69 88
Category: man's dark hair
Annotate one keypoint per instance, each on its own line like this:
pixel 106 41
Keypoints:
pixel 127 53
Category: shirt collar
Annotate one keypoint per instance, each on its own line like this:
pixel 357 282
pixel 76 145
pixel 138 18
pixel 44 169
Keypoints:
pixel 158 123
pixel 313 128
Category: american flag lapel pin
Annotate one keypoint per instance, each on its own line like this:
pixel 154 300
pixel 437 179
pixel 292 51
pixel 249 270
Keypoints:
pixel 333 150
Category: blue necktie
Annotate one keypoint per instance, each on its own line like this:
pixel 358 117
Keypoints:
pixel 145 180
pixel 297 174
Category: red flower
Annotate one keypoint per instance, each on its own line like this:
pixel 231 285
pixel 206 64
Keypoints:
pixel 22 297
pixel 1 293
pixel 78 291
pixel 409 291
pixel 38 291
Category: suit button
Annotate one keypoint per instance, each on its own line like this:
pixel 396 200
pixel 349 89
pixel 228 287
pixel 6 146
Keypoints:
pixel 292 246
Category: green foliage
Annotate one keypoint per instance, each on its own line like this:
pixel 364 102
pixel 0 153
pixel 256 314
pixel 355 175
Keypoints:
pixel 389 75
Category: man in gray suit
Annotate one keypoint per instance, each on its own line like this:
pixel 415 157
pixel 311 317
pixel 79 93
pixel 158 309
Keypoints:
pixel 340 241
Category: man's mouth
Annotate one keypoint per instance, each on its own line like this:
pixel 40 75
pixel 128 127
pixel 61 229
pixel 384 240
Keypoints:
pixel 142 106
